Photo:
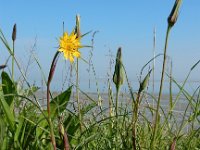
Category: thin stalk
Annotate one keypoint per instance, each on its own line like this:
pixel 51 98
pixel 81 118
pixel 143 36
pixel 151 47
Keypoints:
pixel 110 98
pixel 116 103
pixel 116 109
pixel 13 60
pixel 153 67
pixel 170 91
pixel 51 73
pixel 156 123
pixel 53 140
pixel 134 121
pixel 14 33
pixel 77 95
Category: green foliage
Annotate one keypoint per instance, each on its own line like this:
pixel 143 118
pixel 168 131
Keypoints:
pixel 59 103
pixel 25 126
pixel 8 89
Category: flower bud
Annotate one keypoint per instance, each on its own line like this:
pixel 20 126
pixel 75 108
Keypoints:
pixel 14 33
pixel 174 13
pixel 144 83
pixel 77 28
pixel 118 76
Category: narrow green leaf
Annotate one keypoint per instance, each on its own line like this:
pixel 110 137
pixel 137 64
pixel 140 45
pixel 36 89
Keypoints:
pixel 5 42
pixel 88 108
pixel 57 106
pixel 71 124
pixel 86 33
pixel 9 114
pixel 195 65
pixel 8 89
pixel 59 103
pixel 19 129
pixel 4 145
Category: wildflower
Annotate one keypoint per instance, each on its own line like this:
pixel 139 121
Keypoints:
pixel 174 13
pixel 69 45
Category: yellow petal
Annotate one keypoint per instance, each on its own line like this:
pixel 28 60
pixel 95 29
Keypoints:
pixel 71 58
pixel 60 49
pixel 77 54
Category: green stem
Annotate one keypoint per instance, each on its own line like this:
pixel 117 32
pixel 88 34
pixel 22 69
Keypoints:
pixel 13 60
pixel 156 123
pixel 134 121
pixel 116 103
pixel 77 95
pixel 53 140
pixel 51 73
pixel 116 110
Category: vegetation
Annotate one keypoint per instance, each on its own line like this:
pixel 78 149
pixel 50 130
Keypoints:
pixel 25 124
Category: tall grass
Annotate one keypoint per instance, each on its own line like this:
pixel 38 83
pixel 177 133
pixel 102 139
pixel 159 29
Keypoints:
pixel 25 124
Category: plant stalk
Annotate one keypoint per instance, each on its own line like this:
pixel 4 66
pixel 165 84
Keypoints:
pixel 13 60
pixel 77 95
pixel 116 103
pixel 156 123
pixel 14 34
pixel 116 109
pixel 134 121
pixel 51 73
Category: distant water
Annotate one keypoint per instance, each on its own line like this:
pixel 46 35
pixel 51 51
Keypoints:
pixel 101 84
pixel 125 100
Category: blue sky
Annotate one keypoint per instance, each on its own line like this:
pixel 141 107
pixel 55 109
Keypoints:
pixel 128 24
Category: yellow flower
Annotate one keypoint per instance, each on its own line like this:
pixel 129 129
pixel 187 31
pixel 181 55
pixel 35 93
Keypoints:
pixel 69 45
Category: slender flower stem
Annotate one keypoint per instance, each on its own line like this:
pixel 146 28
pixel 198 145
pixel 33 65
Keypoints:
pixel 13 60
pixel 116 103
pixel 77 95
pixel 134 121
pixel 51 73
pixel 153 67
pixel 116 108
pixel 14 33
pixel 156 123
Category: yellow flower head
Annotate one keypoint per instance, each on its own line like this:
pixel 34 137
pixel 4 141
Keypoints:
pixel 69 45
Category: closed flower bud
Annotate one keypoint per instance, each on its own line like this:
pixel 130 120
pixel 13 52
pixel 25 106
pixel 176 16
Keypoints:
pixel 118 77
pixel 77 29
pixel 14 33
pixel 174 13
pixel 144 83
